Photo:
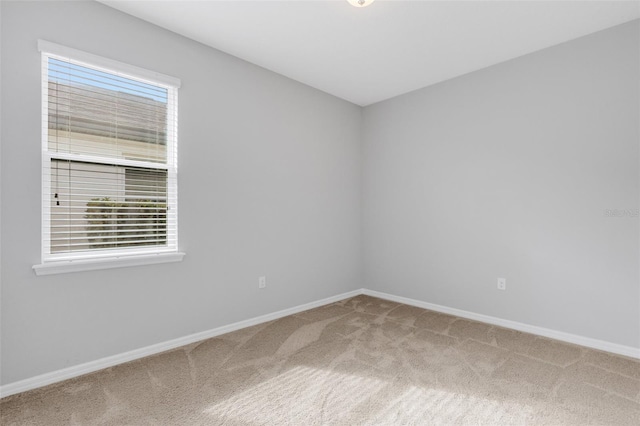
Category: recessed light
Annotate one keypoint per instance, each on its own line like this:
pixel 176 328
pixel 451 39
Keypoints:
pixel 360 3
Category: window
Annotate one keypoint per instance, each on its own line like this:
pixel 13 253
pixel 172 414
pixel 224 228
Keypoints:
pixel 109 163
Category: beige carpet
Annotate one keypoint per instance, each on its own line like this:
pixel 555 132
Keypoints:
pixel 362 361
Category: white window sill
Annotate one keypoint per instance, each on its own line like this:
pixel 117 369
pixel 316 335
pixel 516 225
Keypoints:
pixel 66 266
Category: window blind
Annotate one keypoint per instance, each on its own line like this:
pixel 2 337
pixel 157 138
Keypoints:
pixel 109 158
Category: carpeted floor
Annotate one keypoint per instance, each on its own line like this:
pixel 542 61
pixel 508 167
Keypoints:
pixel 362 361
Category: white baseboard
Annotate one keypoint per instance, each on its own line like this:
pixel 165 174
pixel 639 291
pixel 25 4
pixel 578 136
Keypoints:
pixel 602 345
pixel 110 361
pixel 89 367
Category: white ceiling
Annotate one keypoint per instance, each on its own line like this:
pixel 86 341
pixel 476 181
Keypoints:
pixel 366 55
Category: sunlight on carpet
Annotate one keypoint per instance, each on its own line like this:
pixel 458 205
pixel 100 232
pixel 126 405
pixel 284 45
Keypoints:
pixel 302 392
pixel 444 407
pixel 290 397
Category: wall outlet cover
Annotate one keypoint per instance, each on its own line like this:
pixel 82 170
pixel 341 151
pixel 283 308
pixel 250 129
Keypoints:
pixel 502 283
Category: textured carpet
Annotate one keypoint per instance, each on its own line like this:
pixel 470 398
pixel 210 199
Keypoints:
pixel 361 361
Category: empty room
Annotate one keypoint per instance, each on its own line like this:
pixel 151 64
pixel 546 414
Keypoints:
pixel 341 212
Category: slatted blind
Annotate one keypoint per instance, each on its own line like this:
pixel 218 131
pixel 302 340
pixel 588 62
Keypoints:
pixel 109 158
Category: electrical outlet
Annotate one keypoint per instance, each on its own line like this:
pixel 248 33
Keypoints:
pixel 502 283
pixel 262 282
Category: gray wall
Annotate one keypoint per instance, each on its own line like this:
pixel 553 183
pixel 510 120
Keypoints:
pixel 507 172
pixel 269 184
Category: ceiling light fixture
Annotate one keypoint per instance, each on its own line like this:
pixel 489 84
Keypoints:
pixel 360 3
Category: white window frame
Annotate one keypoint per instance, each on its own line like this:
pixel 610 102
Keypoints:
pixel 88 260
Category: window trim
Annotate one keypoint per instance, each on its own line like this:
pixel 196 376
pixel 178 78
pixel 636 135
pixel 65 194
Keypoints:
pixel 71 262
pixel 109 64
pixel 87 264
